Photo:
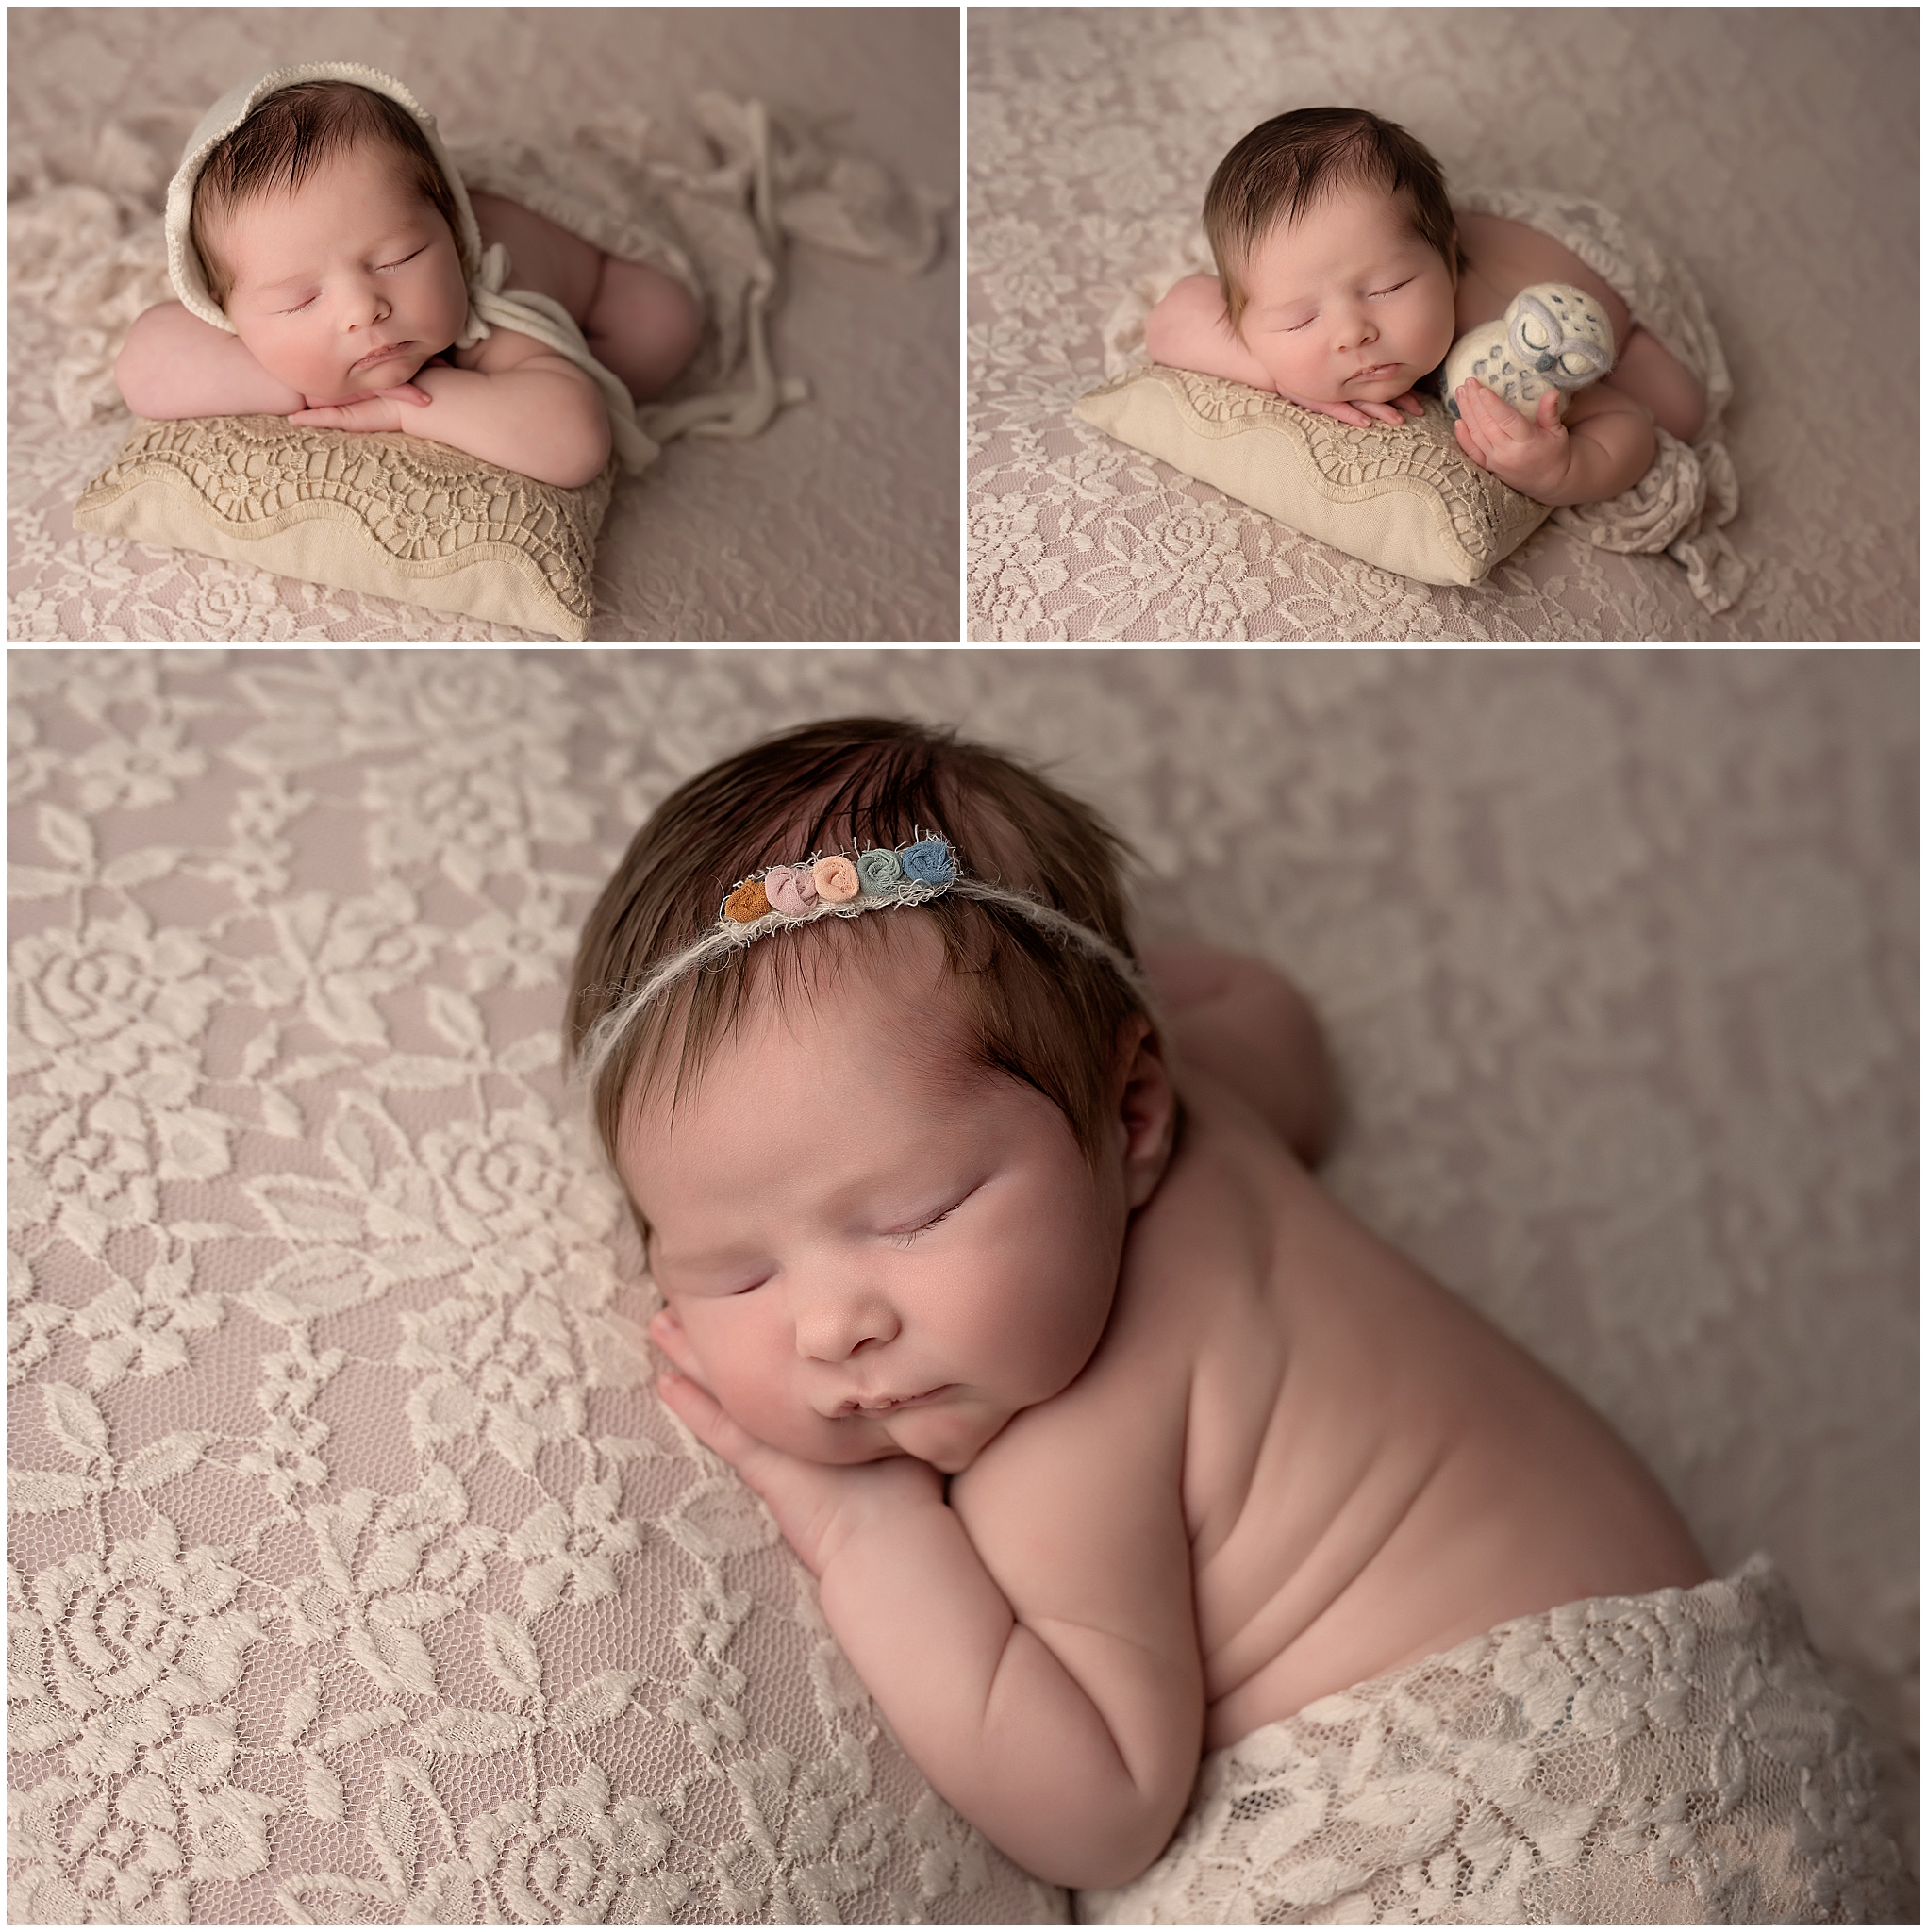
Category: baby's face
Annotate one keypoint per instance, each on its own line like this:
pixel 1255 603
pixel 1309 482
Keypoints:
pixel 347 285
pixel 1349 304
pixel 871 1249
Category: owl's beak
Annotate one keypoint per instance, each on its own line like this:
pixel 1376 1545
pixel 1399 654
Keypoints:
pixel 1545 363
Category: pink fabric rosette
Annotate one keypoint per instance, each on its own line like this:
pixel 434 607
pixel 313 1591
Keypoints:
pixel 836 879
pixel 791 890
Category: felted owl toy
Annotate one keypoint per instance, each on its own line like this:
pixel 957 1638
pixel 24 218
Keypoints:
pixel 1554 336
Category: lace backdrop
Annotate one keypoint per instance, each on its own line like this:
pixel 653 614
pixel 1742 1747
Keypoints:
pixel 1774 151
pixel 355 1572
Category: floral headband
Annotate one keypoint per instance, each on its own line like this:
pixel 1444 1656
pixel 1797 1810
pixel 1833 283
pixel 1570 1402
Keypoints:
pixel 835 887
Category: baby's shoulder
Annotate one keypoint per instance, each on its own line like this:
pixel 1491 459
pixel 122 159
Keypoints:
pixel 1194 1338
pixel 1503 256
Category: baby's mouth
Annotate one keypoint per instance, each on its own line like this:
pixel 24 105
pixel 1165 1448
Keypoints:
pixel 890 1404
pixel 382 355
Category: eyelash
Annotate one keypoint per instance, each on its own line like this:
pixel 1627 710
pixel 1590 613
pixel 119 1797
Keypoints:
pixel 383 269
pixel 909 1236
pixel 1311 319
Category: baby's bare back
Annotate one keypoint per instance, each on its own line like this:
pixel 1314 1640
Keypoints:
pixel 1373 1471
pixel 1370 1473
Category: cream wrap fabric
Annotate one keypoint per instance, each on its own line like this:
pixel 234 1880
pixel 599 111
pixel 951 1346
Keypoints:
pixel 1674 1759
pixel 492 304
pixel 1689 491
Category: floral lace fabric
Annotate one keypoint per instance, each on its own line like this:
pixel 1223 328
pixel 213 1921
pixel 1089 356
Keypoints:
pixel 1094 133
pixel 355 1571
pixel 1676 1758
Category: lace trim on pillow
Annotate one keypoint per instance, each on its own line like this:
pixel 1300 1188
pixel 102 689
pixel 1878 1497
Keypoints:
pixel 1485 514
pixel 430 509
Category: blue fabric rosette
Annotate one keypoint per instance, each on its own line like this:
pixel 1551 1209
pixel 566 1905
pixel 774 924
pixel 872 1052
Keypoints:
pixel 879 871
pixel 928 862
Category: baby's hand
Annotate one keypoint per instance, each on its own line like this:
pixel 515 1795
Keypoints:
pixel 378 409
pixel 1362 415
pixel 816 1504
pixel 1533 456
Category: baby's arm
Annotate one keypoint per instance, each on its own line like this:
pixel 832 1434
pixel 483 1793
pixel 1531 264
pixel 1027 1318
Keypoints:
pixel 174 364
pixel 519 405
pixel 1189 329
pixel 1032 1647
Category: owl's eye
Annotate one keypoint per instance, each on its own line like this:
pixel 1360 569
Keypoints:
pixel 1533 332
pixel 1573 363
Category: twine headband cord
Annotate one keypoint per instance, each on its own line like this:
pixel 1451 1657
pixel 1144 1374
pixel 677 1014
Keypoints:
pixel 839 888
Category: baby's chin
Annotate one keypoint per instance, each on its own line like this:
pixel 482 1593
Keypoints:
pixel 389 375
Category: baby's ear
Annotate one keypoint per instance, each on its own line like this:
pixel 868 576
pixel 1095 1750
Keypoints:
pixel 1146 1110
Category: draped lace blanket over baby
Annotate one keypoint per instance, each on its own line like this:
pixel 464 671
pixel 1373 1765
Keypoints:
pixel 1671 1759
pixel 1690 491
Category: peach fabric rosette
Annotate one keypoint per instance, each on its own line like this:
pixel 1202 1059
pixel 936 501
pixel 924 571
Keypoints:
pixel 836 879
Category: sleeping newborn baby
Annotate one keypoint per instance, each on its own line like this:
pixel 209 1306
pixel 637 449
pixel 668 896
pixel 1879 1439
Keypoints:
pixel 327 233
pixel 1345 275
pixel 1111 1437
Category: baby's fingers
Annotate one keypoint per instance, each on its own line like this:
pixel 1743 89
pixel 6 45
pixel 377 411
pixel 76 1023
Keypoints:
pixel 709 1422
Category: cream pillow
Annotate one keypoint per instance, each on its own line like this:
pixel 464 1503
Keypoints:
pixel 1406 499
pixel 395 515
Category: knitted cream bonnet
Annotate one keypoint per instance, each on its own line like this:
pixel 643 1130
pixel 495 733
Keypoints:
pixel 491 307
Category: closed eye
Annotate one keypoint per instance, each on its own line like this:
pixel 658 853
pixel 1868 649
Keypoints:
pixel 382 270
pixel 1292 328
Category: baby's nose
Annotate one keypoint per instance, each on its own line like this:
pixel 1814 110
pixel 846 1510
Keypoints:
pixel 833 1327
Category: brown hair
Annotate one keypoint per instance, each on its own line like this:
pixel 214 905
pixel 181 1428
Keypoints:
pixel 1281 168
pixel 287 138
pixel 1040 1011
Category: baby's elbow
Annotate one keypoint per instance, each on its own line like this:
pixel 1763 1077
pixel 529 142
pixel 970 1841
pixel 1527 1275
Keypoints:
pixel 1107 1860
pixel 1687 416
pixel 1157 332
pixel 580 450
pixel 1172 324
pixel 599 443
pixel 1096 1846
pixel 139 377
